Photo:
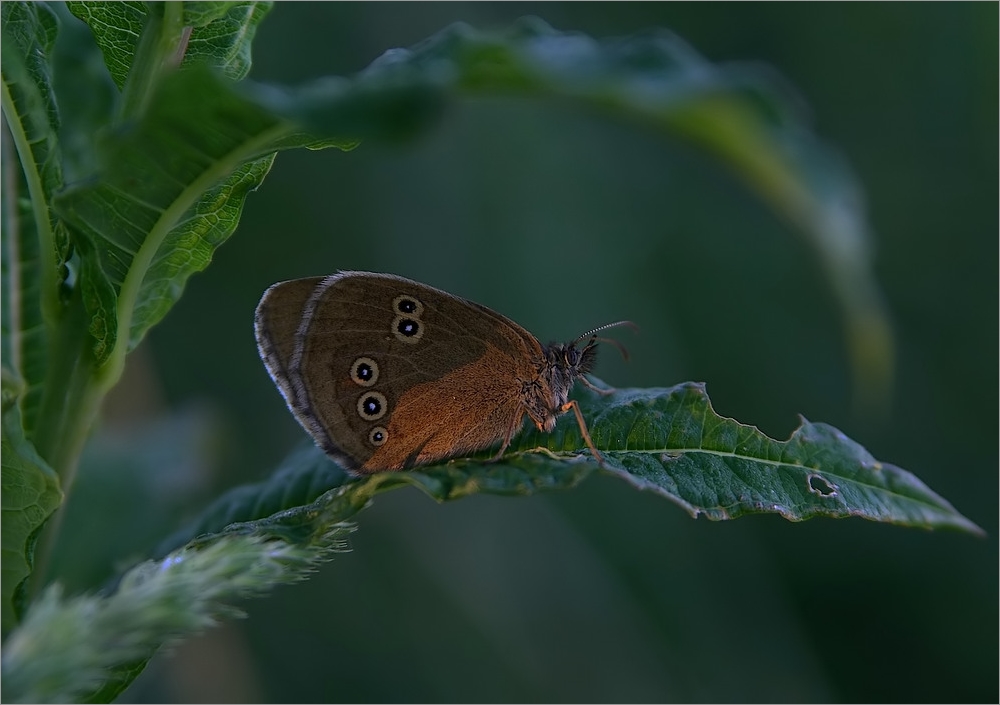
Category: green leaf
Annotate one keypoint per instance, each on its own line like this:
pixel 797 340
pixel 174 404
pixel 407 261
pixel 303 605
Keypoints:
pixel 221 36
pixel 35 246
pixel 672 442
pixel 668 441
pixel 23 333
pixel 12 387
pixel 304 476
pixel 119 677
pixel 170 191
pixel 117 27
pixel 88 97
pixel 190 246
pixel 198 129
pixel 30 31
pixel 743 115
pixel 30 494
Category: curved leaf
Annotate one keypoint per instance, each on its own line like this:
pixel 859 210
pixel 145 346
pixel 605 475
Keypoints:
pixel 117 27
pixel 35 245
pixel 190 246
pixel 221 36
pixel 672 441
pixel 24 336
pixel 148 206
pixel 30 31
pixel 301 478
pixel 745 115
pixel 30 493
pixel 198 129
pixel 171 191
pixel 669 441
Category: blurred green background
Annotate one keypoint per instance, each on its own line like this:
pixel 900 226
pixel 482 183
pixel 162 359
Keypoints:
pixel 564 220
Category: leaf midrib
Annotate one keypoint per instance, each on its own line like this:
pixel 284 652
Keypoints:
pixel 775 463
pixel 170 216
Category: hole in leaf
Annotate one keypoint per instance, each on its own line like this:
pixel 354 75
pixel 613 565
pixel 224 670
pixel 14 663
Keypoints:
pixel 821 486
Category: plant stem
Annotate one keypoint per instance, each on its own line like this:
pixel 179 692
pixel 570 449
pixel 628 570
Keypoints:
pixel 66 433
pixel 74 387
pixel 157 51
pixel 83 401
pixel 67 342
pixel 48 268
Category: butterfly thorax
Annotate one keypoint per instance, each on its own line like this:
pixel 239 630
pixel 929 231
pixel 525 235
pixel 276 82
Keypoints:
pixel 558 368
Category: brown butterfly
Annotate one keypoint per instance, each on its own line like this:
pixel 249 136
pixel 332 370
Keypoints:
pixel 386 373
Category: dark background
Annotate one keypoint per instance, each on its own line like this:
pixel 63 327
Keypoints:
pixel 564 220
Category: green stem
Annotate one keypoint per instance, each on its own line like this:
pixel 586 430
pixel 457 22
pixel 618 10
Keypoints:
pixel 62 327
pixel 73 389
pixel 83 401
pixel 81 398
pixel 65 344
pixel 48 269
pixel 156 53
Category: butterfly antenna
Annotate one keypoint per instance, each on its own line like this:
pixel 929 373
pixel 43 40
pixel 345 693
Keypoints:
pixel 594 338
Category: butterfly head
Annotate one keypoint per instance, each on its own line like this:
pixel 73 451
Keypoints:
pixel 563 365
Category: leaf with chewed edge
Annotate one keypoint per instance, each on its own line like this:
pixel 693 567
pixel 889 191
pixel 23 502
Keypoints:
pixel 672 441
pixel 669 441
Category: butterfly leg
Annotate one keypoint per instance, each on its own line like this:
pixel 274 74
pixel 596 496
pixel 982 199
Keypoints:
pixel 590 385
pixel 499 453
pixel 511 431
pixel 583 429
